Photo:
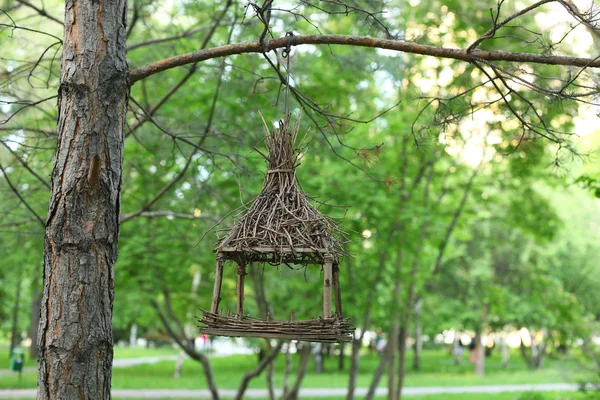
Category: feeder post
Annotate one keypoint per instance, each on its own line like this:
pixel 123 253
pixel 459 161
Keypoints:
pixel 216 298
pixel 336 290
pixel 327 279
pixel 241 271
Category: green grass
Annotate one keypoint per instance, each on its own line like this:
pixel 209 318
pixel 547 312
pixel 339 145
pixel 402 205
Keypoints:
pixel 437 369
pixel 139 352
pixel 5 358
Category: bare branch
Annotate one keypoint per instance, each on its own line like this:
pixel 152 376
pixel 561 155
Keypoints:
pixel 14 189
pixel 26 165
pixel 492 32
pixel 158 214
pixel 41 11
pixel 184 34
pixel 358 41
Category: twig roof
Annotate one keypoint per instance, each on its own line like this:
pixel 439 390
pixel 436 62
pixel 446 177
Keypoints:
pixel 282 225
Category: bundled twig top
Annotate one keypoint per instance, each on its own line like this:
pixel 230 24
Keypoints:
pixel 282 225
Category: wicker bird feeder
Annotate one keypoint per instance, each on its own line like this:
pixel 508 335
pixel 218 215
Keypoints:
pixel 281 227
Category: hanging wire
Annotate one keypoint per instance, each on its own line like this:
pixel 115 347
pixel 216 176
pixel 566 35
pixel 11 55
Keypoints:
pixel 286 55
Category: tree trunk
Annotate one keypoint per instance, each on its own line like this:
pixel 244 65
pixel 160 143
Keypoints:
pixel 14 334
pixel 341 357
pixel 418 349
pixel 377 376
pixel 292 394
pixel 287 369
pixel 540 350
pixel 36 304
pixel 525 355
pixel 80 249
pixel 270 382
pixel 356 343
pixel 479 355
pixel 504 349
pixel 391 349
pixel 403 334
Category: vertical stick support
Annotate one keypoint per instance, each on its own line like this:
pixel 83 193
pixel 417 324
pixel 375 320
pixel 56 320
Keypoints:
pixel 241 274
pixel 336 290
pixel 327 280
pixel 216 298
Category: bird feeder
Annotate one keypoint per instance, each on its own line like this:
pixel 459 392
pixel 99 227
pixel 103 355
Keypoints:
pixel 281 227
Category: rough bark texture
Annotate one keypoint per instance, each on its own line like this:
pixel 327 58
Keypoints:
pixel 75 338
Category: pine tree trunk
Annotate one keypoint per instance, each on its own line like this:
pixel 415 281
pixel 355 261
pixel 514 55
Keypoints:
pixel 75 335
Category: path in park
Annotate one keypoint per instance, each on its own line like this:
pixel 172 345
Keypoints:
pixel 323 392
pixel 118 363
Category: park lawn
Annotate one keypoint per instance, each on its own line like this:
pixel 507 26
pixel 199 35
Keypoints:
pixel 5 358
pixel 141 352
pixel 437 369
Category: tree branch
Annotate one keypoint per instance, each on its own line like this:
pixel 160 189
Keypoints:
pixel 14 189
pixel 42 12
pixel 157 214
pixel 258 370
pixel 26 165
pixel 358 41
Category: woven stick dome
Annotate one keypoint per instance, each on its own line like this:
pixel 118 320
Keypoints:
pixel 282 225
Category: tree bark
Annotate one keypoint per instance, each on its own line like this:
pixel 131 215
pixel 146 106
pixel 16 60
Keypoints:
pixel 80 250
